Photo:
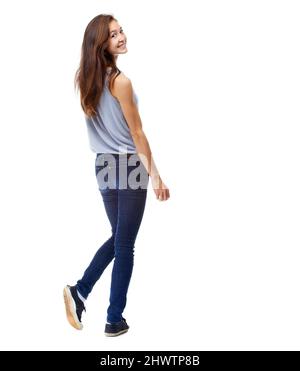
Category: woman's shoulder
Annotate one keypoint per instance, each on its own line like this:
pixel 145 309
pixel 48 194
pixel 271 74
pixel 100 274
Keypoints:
pixel 122 79
pixel 122 85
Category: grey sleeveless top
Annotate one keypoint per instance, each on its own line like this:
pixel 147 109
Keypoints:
pixel 108 131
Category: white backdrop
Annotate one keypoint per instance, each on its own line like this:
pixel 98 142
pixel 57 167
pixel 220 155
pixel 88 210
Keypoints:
pixel 217 265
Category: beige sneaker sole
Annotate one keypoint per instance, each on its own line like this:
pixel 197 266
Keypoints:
pixel 116 334
pixel 70 310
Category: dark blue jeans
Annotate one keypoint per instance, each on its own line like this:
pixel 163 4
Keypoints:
pixel 124 206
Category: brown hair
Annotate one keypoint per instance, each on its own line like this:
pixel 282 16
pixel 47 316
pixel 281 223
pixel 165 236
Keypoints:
pixel 95 58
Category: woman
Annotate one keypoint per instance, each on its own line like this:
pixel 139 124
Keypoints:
pixel 123 165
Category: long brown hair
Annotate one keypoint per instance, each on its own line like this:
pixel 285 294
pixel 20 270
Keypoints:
pixel 95 58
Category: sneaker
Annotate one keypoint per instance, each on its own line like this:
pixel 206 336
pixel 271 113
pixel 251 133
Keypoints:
pixel 117 328
pixel 74 306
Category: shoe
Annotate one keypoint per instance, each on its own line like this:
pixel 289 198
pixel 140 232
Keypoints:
pixel 117 328
pixel 74 306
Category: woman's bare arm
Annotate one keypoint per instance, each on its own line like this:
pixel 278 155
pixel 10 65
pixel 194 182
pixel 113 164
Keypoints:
pixel 123 91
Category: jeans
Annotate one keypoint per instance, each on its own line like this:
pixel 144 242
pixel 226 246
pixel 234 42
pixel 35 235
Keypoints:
pixel 124 206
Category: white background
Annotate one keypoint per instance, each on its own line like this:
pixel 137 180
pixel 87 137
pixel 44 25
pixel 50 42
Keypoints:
pixel 217 265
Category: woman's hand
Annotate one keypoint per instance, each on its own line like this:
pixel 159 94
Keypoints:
pixel 160 189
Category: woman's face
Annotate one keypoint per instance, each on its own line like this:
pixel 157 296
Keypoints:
pixel 117 39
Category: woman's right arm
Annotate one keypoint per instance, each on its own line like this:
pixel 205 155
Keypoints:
pixel 123 91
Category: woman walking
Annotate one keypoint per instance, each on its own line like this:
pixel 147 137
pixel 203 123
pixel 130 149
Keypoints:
pixel 123 166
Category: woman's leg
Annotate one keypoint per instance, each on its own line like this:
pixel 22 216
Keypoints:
pixel 131 205
pixel 105 254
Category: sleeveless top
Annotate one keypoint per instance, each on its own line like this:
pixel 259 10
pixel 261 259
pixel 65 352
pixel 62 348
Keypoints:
pixel 108 131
